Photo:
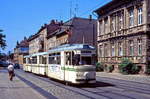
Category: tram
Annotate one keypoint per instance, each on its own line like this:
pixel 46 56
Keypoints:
pixel 74 63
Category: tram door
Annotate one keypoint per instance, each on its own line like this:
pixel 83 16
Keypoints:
pixel 68 65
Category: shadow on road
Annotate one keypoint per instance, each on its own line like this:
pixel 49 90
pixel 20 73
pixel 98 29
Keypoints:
pixel 85 85
pixel 97 84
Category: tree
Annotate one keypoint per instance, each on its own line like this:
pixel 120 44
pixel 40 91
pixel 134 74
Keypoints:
pixel 2 40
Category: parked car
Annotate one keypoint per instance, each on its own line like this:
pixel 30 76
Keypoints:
pixel 17 66
pixel 3 64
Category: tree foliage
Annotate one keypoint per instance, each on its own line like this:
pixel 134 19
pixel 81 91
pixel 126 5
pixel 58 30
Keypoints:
pixel 2 40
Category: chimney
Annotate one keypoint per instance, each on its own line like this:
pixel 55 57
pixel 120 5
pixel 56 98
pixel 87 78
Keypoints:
pixel 56 22
pixel 90 17
pixel 61 22
pixel 45 25
pixel 52 22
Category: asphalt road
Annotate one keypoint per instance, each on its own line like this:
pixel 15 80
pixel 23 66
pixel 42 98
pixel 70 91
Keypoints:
pixel 42 87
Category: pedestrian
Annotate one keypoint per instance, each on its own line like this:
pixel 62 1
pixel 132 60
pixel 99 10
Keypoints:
pixel 11 71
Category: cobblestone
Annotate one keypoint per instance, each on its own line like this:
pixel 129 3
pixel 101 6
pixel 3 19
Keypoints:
pixel 108 86
pixel 55 90
pixel 16 89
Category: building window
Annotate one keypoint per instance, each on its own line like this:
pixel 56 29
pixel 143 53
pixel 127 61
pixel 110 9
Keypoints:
pixel 139 47
pixel 112 49
pixel 100 28
pixel 112 24
pixel 131 48
pixel 120 20
pixel 105 50
pixel 120 49
pixel 106 26
pixel 131 17
pixel 100 51
pixel 140 15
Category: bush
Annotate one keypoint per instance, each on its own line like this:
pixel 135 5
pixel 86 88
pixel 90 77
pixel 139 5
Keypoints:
pixel 148 70
pixel 99 67
pixel 127 67
pixel 110 68
pixel 135 69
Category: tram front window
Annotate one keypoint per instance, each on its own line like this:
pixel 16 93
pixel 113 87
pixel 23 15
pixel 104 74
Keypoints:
pixel 85 61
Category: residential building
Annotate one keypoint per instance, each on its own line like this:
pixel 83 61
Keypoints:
pixel 123 32
pixel 38 41
pixel 21 50
pixel 76 30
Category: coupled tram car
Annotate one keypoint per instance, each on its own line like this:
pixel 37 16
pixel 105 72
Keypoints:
pixel 72 63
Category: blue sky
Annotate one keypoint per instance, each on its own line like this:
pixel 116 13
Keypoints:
pixel 19 18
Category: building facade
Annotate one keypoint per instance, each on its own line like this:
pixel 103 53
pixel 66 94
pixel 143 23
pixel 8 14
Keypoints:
pixel 21 50
pixel 123 32
pixel 74 31
pixel 38 41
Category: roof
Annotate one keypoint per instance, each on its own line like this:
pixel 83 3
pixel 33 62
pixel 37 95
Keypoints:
pixel 33 37
pixel 52 28
pixel 68 47
pixel 66 26
pixel 111 5
pixel 23 43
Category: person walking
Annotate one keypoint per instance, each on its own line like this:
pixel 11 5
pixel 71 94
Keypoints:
pixel 11 71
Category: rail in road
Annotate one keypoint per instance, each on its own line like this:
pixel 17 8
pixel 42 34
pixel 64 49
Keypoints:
pixel 105 88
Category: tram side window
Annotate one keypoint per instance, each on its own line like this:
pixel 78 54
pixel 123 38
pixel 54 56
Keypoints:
pixel 58 58
pixel 34 60
pixel 24 60
pixel 42 60
pixel 29 60
pixel 68 58
pixel 54 58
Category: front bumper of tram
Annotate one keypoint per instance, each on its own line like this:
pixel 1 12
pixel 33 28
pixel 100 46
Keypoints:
pixel 86 74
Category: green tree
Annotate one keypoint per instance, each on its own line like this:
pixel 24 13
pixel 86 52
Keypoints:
pixel 2 40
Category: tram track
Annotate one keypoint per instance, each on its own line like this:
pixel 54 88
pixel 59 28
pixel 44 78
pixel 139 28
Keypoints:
pixel 97 93
pixel 92 94
pixel 61 86
pixel 129 82
pixel 117 94
pixel 76 90
pixel 127 85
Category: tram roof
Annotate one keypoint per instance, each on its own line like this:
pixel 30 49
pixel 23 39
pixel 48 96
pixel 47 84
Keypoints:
pixel 68 47
pixel 36 54
pixel 27 56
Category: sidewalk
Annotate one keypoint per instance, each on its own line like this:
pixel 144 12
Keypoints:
pixel 16 89
pixel 136 78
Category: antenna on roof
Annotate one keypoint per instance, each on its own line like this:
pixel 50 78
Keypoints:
pixel 76 8
pixel 70 9
pixel 60 17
